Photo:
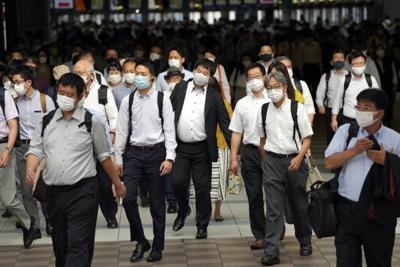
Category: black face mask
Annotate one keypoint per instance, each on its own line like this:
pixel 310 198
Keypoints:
pixel 266 57
pixel 111 60
pixel 337 65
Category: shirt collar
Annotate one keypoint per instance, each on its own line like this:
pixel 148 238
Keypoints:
pixel 263 96
pixel 150 93
pixel 77 115
pixel 198 88
pixel 35 92
pixel 377 134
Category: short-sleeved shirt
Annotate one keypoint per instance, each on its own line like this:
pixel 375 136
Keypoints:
pixel 279 128
pixel 69 148
pixel 354 172
pixel 9 113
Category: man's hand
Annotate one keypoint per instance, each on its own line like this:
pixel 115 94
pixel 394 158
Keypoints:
pixel 377 156
pixel 165 167
pixel 4 158
pixel 334 125
pixel 362 145
pixel 30 176
pixel 234 165
pixel 120 169
pixel 119 190
pixel 295 163
pixel 321 110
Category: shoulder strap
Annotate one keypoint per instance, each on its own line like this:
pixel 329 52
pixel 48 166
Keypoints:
pixel 264 110
pixel 43 102
pixel 352 132
pixel 46 120
pixel 160 103
pixel 297 84
pixel 293 110
pixel 369 79
pixel 98 77
pixel 2 101
pixel 327 78
pixel 347 81
pixel 103 95
pixel 87 122
pixel 130 103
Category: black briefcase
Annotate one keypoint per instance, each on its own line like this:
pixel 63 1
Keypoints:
pixel 41 191
pixel 321 208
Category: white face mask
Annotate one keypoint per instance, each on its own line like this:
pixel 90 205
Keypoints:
pixel 65 103
pixel 174 63
pixel 20 89
pixel 172 86
pixel 200 79
pixel 290 71
pixel 154 56
pixel 255 85
pixel 212 59
pixel 358 70
pixel 275 95
pixel 365 118
pixel 85 79
pixel 129 78
pixel 246 63
pixel 114 78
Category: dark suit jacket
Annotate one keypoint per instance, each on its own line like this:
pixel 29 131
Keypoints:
pixel 214 112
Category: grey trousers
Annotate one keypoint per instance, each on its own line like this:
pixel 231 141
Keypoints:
pixel 8 191
pixel 29 202
pixel 277 182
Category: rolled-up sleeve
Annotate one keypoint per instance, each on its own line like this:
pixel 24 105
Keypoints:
pixel 169 129
pixel 122 130
pixel 338 143
pixel 321 91
pixel 236 124
pixel 36 144
pixel 111 110
pixel 100 143
pixel 304 124
pixel 308 101
pixel 11 111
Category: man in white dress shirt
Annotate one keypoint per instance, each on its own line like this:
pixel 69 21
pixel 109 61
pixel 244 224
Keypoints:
pixel 243 125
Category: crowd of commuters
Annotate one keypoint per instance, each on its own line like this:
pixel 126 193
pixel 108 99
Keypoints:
pixel 133 110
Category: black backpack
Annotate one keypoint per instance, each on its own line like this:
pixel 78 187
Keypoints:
pixel 87 122
pixel 322 198
pixel 160 103
pixel 293 110
pixel 102 95
pixel 347 81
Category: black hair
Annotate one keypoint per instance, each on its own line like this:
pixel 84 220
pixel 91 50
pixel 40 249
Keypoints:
pixel 73 80
pixel 129 60
pixel 208 64
pixel 24 71
pixel 279 66
pixel 146 63
pixel 254 66
pixel 337 51
pixel 180 51
pixel 114 66
pixel 356 54
pixel 266 44
pixel 76 58
pixel 377 96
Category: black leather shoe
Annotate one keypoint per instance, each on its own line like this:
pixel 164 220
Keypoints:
pixel 268 260
pixel 49 228
pixel 172 207
pixel 18 225
pixel 154 256
pixel 178 223
pixel 145 201
pixel 201 233
pixel 6 214
pixel 29 234
pixel 37 234
pixel 112 223
pixel 305 249
pixel 139 251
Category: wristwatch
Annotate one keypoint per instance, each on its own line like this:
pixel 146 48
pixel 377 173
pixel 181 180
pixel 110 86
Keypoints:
pixel 9 149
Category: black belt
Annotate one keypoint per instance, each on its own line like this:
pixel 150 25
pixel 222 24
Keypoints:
pixel 63 188
pixel 146 148
pixel 4 140
pixel 193 143
pixel 25 142
pixel 281 156
pixel 251 146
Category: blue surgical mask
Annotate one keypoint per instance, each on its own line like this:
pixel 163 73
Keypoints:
pixel 142 82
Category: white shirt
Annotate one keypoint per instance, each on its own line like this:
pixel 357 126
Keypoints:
pixel 146 124
pixel 220 75
pixel 30 113
pixel 162 84
pixel 244 117
pixel 109 111
pixel 308 101
pixel 279 127
pixel 350 99
pixel 333 85
pixel 191 125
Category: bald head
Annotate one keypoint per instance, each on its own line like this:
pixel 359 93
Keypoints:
pixel 85 69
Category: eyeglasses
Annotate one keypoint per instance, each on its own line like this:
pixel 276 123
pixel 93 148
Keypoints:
pixel 17 82
pixel 254 77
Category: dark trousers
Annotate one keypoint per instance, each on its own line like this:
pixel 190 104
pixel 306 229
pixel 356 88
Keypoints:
pixel 108 205
pixel 73 215
pixel 193 160
pixel 252 177
pixel 329 132
pixel 145 165
pixel 278 181
pixel 355 230
pixel 169 192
